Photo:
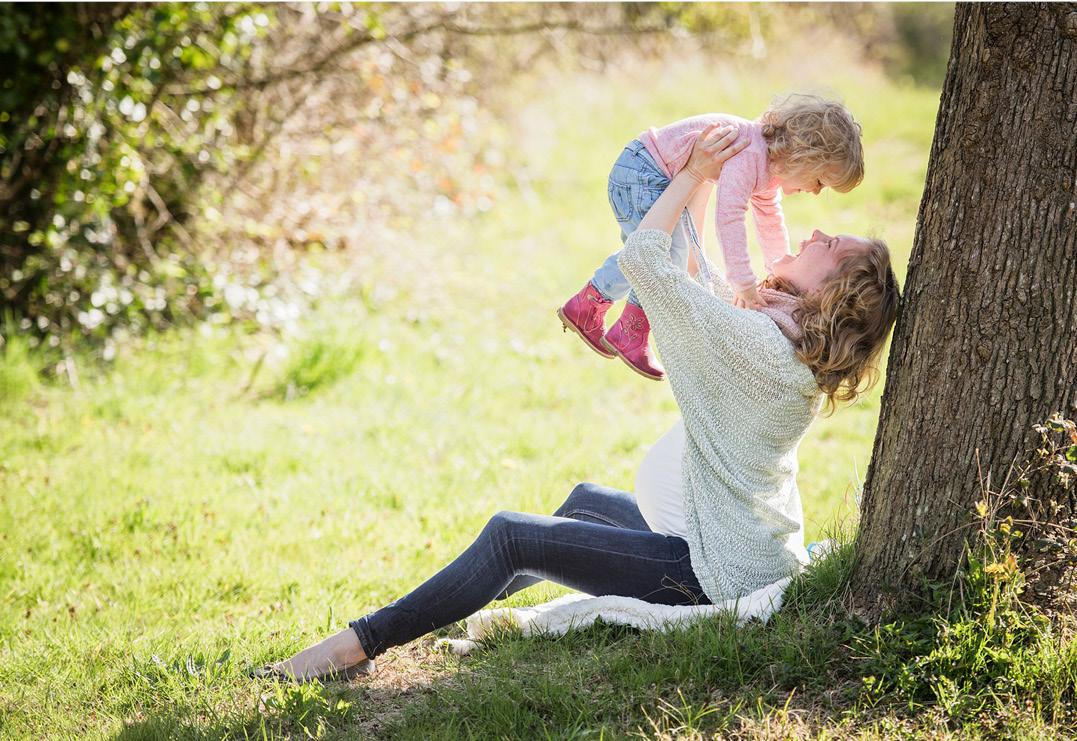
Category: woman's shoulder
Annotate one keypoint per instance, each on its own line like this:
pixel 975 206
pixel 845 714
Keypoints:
pixel 768 353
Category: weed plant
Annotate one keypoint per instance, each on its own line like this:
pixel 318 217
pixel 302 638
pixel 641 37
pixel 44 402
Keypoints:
pixel 978 649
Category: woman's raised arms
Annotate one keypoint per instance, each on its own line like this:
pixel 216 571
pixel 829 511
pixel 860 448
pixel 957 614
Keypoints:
pixel 714 146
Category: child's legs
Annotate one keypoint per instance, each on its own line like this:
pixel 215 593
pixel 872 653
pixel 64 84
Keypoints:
pixel 634 185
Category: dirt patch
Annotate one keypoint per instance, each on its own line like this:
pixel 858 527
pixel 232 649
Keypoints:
pixel 406 675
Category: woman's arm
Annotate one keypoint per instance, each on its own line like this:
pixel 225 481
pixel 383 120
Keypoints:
pixel 713 147
pixel 701 336
pixel 695 331
pixel 697 208
pixel 665 212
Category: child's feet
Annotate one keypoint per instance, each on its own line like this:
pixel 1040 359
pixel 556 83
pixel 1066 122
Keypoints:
pixel 629 339
pixel 585 314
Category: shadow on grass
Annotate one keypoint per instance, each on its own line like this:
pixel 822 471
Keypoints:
pixel 603 681
pixel 196 699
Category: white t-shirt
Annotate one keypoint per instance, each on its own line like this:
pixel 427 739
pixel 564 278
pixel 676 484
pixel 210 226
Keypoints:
pixel 660 484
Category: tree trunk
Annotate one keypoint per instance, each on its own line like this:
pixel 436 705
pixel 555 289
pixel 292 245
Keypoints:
pixel 985 346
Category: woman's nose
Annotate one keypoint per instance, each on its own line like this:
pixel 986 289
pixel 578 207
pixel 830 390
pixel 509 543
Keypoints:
pixel 819 236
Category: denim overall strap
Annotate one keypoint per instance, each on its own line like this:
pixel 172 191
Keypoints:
pixel 703 275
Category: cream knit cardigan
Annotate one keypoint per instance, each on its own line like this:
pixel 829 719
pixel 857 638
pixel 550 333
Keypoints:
pixel 747 402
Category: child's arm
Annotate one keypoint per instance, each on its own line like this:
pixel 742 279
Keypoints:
pixel 748 298
pixel 730 211
pixel 770 228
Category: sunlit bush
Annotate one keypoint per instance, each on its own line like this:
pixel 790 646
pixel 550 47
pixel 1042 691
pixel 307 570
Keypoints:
pixel 114 122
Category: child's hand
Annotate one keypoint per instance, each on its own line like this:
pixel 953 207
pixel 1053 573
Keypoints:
pixel 712 148
pixel 748 298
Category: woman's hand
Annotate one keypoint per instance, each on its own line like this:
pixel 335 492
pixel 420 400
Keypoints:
pixel 712 148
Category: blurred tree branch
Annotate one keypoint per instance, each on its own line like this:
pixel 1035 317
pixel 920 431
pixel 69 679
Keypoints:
pixel 441 25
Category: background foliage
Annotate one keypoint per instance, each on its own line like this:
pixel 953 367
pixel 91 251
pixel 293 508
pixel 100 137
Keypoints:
pixel 113 124
pixel 171 162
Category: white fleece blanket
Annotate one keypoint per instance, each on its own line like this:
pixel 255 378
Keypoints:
pixel 563 614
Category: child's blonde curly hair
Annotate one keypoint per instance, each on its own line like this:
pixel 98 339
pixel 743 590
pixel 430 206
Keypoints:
pixel 846 323
pixel 810 135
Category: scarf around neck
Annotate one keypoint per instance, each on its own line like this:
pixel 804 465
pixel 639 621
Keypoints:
pixel 780 307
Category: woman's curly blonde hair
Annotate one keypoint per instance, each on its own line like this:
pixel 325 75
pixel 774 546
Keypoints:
pixel 846 323
pixel 810 135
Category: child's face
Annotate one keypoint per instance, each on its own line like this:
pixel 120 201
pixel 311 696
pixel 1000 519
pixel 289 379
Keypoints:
pixel 800 183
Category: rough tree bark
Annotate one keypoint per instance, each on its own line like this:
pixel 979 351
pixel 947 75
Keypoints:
pixel 986 343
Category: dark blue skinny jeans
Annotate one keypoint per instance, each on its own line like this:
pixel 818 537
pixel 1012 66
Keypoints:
pixel 597 542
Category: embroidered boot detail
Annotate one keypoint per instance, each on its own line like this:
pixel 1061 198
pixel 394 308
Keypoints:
pixel 629 339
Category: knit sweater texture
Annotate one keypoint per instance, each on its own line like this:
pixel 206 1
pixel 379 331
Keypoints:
pixel 747 402
pixel 746 181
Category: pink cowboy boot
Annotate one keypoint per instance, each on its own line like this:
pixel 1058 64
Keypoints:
pixel 628 339
pixel 585 314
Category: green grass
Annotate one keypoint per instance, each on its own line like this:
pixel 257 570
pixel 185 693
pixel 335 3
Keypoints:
pixel 20 368
pixel 214 501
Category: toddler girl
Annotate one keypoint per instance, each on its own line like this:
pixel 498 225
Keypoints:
pixel 802 143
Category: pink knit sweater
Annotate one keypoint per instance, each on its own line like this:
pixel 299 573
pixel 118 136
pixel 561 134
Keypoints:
pixel 746 180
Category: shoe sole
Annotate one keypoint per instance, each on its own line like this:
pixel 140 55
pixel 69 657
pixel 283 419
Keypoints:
pixel 569 325
pixel 625 360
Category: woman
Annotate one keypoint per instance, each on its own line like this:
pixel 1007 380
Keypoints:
pixel 718 513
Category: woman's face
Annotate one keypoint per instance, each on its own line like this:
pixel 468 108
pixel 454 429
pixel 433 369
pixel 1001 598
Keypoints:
pixel 818 259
